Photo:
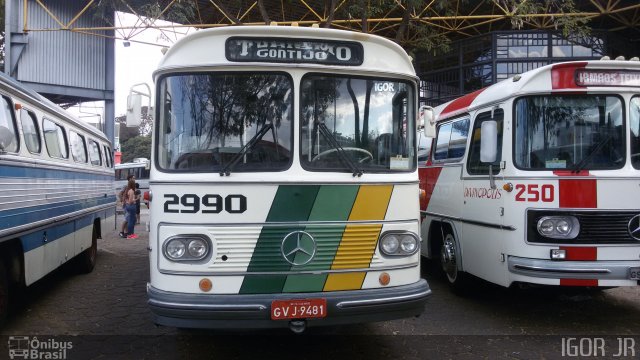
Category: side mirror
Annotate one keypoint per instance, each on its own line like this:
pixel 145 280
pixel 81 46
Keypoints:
pixel 134 104
pixel 488 141
pixel 6 138
pixel 134 110
pixel 426 120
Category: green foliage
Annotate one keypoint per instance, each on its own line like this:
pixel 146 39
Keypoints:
pixel 136 147
pixel 574 26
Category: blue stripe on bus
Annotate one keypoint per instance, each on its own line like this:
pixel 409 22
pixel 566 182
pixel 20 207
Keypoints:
pixel 35 172
pixel 20 216
pixel 55 232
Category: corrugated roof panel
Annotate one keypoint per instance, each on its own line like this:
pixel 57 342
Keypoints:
pixel 63 58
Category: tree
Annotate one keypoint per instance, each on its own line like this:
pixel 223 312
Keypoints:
pixel 135 141
pixel 136 147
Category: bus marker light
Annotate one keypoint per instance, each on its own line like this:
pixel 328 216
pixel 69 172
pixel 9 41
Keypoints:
pixel 205 285
pixel 558 254
pixel 384 279
pixel 508 187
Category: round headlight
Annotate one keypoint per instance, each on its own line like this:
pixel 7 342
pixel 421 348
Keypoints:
pixel 175 249
pixel 197 248
pixel 390 244
pixel 408 244
pixel 545 227
pixel 563 227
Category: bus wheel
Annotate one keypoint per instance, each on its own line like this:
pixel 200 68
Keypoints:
pixel 86 261
pixel 449 263
pixel 4 293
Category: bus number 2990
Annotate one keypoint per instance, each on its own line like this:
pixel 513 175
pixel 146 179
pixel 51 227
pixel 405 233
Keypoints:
pixel 208 204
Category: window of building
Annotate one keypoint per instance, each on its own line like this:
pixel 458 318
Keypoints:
pixel 30 130
pixel 55 139
pixel 474 166
pixel 8 130
pixel 522 45
pixel 78 147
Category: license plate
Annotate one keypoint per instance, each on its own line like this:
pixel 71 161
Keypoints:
pixel 634 273
pixel 298 309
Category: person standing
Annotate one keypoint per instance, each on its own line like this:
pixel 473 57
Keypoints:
pixel 122 196
pixel 138 196
pixel 130 208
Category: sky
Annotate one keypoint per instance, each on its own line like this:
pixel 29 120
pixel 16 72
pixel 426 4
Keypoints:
pixel 134 64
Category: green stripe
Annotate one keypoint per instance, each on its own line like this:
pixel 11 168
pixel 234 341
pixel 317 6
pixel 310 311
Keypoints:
pixel 292 203
pixel 333 203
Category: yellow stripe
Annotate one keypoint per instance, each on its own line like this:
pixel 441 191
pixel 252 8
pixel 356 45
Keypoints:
pixel 359 241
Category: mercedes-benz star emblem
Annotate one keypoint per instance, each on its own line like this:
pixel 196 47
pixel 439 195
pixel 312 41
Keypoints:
pixel 298 248
pixel 634 227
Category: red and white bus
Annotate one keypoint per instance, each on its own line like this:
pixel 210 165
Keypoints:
pixel 536 179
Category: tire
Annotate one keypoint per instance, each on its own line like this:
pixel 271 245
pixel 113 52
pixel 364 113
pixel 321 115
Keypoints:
pixel 449 261
pixel 86 261
pixel 4 293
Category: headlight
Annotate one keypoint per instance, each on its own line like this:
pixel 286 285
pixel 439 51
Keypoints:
pixel 187 248
pixel 390 244
pixel 559 227
pixel 175 249
pixel 197 248
pixel 398 244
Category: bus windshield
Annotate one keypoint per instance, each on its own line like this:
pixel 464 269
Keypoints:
pixel 572 132
pixel 359 121
pixel 225 122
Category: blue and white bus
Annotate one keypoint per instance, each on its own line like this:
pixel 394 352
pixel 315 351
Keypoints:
pixel 57 199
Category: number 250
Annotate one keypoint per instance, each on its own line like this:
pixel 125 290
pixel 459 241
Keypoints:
pixel 534 192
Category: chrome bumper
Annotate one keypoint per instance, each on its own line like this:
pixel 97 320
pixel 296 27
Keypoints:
pixel 254 310
pixel 601 270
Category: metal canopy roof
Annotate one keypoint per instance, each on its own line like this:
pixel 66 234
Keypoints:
pixel 392 19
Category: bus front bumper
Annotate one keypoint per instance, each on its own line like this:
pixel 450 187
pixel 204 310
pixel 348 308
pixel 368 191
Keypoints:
pixel 619 273
pixel 254 310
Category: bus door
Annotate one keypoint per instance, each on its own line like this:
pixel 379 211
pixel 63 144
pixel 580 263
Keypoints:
pixel 483 205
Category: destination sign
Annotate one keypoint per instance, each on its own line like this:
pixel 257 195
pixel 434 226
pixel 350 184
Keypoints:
pixel 283 50
pixel 589 77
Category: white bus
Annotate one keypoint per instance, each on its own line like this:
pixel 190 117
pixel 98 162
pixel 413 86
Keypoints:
pixel 536 179
pixel 56 175
pixel 284 180
pixel 139 167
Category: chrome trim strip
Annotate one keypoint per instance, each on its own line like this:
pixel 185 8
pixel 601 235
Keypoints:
pixel 559 270
pixel 393 299
pixel 304 272
pixel 469 221
pixel 298 223
pixel 225 307
pixel 19 230
pixel 253 182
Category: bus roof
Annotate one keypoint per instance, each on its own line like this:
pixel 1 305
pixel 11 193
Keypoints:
pixel 16 88
pixel 572 77
pixel 206 48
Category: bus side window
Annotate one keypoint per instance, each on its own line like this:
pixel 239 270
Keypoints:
pixel 8 130
pixel 30 131
pixel 78 147
pixel 94 153
pixel 474 166
pixel 451 140
pixel 55 139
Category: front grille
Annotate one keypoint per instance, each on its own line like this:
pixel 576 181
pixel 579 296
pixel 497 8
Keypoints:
pixel 596 227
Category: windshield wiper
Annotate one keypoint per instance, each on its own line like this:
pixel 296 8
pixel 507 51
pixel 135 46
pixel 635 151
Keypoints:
pixel 582 163
pixel 334 143
pixel 226 170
